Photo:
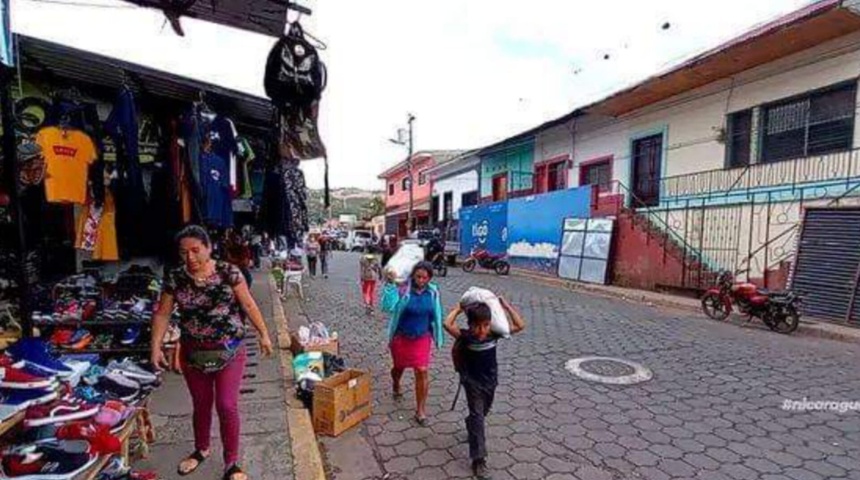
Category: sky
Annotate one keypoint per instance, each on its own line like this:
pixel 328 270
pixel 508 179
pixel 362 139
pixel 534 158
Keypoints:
pixel 473 72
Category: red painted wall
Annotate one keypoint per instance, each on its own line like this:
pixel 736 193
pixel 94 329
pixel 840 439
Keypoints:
pixel 639 259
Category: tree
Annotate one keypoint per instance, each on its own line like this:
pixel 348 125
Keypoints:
pixel 373 207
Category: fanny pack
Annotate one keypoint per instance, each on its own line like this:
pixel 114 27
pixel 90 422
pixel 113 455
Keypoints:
pixel 211 357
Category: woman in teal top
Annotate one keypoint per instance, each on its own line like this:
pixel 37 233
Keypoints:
pixel 415 325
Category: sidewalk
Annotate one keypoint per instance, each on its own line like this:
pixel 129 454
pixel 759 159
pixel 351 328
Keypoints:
pixel 266 452
pixel 808 327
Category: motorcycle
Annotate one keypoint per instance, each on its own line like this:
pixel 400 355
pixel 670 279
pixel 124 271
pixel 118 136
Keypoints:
pixel 488 261
pixel 777 310
pixel 439 265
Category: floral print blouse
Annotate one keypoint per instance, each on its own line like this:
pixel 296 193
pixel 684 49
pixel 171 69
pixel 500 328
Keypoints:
pixel 208 309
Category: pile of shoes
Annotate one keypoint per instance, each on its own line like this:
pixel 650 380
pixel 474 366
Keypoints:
pixel 73 410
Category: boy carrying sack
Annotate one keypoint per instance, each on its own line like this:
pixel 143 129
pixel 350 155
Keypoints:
pixel 475 360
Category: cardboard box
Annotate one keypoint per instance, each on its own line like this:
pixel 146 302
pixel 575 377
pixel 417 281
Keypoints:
pixel 342 402
pixel 332 347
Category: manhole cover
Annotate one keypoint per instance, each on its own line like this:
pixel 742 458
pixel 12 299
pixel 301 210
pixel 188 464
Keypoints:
pixel 614 371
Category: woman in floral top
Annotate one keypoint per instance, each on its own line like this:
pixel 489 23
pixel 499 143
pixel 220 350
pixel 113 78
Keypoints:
pixel 212 299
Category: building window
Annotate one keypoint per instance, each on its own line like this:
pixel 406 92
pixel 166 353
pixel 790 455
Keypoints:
pixel 739 139
pixel 500 187
pixel 390 189
pixel 434 209
pixel 814 124
pixel 404 184
pixel 422 178
pixel 598 174
pixel 551 176
pixel 448 206
pixel 468 199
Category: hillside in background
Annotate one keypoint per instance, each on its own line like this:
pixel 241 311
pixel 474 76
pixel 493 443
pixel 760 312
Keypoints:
pixel 344 201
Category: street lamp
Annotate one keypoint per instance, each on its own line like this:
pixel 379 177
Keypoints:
pixel 409 144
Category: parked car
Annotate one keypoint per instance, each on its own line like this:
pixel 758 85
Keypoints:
pixel 358 240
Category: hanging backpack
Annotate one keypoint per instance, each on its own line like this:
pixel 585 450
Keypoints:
pixel 295 75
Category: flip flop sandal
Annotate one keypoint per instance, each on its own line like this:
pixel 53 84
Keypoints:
pixel 421 421
pixel 397 396
pixel 228 475
pixel 198 457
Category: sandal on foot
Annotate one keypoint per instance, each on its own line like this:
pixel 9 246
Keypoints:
pixel 233 471
pixel 397 395
pixel 198 457
pixel 421 421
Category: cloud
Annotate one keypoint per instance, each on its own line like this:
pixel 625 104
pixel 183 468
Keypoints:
pixel 528 250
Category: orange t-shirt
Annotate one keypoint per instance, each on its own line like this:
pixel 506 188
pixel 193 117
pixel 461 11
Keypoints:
pixel 68 155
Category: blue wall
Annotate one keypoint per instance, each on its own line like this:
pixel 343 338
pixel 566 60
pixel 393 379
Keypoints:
pixel 535 226
pixel 484 226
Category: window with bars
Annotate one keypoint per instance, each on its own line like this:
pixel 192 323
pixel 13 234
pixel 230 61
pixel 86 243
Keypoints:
pixel 550 177
pixel 739 139
pixel 597 174
pixel 815 124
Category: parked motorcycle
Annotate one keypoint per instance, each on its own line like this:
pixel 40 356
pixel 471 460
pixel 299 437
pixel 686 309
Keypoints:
pixel 488 261
pixel 778 310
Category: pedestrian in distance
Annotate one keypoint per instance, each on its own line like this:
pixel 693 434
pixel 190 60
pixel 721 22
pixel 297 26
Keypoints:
pixel 474 355
pixel 370 273
pixel 312 251
pixel 326 245
pixel 213 301
pixel 415 325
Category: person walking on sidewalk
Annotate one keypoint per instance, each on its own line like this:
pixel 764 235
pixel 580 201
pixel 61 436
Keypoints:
pixel 212 298
pixel 325 251
pixel 415 325
pixel 475 360
pixel 370 274
pixel 312 251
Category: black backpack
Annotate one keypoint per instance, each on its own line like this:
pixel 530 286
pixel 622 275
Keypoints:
pixel 295 75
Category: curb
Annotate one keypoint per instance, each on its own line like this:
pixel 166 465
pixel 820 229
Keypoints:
pixel 307 458
pixel 808 328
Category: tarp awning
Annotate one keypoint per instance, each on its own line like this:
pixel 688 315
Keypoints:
pixel 261 16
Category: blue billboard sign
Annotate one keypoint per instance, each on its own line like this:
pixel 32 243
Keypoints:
pixel 484 226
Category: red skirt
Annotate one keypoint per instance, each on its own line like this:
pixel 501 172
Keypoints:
pixel 411 352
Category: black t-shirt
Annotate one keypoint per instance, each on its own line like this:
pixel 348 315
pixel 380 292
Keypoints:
pixel 479 358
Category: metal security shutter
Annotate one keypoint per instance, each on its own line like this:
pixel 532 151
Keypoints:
pixel 828 259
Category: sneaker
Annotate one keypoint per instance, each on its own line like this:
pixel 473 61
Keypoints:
pixel 118 387
pixel 9 362
pixel 132 370
pixel 14 401
pixel 130 336
pixel 19 379
pixel 93 374
pixel 62 336
pixel 45 463
pixel 480 470
pixel 58 411
pixel 99 437
pixel 89 395
pixel 35 351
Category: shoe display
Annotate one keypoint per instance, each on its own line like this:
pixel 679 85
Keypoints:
pixel 130 336
pixel 100 438
pixel 45 463
pixel 80 340
pixel 14 401
pixel 35 351
pixel 129 368
pixel 58 411
pixel 14 378
pixel 118 390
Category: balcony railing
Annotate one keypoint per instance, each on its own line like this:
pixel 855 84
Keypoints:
pixel 821 169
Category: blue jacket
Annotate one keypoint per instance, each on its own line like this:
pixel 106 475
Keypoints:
pixel 393 303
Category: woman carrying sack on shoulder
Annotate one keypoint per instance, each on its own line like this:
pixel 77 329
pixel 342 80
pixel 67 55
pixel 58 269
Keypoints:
pixel 213 299
pixel 414 327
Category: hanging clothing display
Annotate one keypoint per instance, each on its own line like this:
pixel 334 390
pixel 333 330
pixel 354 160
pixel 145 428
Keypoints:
pixel 296 193
pixel 299 134
pixel 68 155
pixel 218 210
pixel 96 231
pixel 191 140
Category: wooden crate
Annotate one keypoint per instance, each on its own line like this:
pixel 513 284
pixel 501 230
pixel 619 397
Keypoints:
pixel 342 402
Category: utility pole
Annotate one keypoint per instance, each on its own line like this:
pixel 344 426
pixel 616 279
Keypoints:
pixel 410 219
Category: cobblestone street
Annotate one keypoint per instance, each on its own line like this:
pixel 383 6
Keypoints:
pixel 712 409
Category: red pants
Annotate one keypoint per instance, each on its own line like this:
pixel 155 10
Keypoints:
pixel 368 291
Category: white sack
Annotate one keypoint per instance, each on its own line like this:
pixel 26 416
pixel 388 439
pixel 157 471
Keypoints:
pixel 499 324
pixel 403 261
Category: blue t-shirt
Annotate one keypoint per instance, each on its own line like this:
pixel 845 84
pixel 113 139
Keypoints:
pixel 417 317
pixel 220 133
pixel 215 183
